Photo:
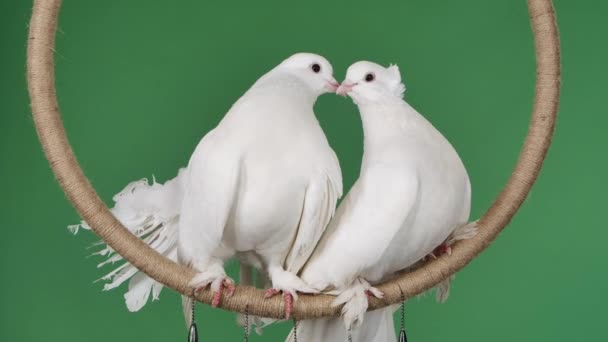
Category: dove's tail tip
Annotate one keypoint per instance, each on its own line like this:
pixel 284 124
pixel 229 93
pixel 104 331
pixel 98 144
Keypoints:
pixel 151 212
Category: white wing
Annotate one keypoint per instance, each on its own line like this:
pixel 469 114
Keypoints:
pixel 319 207
pixel 365 224
pixel 210 191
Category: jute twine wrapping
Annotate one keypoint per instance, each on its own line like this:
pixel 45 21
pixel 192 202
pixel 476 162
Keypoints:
pixel 41 79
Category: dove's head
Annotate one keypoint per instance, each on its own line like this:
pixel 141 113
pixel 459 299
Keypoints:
pixel 368 83
pixel 313 70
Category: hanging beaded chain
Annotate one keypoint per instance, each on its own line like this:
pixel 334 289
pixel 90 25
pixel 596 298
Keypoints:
pixel 295 330
pixel 193 331
pixel 402 335
pixel 349 335
pixel 246 323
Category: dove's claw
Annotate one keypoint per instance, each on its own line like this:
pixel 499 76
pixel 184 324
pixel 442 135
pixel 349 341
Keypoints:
pixel 355 301
pixel 445 249
pixel 216 279
pixel 288 299
pixel 374 292
pixel 289 285
pixel 217 296
pixel 229 284
pixel 270 293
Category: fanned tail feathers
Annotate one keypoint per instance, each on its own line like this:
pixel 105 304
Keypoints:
pixel 150 212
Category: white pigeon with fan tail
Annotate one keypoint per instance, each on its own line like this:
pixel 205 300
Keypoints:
pixel 261 187
pixel 412 194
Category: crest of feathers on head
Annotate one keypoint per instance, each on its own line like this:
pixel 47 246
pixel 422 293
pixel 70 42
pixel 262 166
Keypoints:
pixel 396 86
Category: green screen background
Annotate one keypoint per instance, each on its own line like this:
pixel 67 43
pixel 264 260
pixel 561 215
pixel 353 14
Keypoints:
pixel 140 82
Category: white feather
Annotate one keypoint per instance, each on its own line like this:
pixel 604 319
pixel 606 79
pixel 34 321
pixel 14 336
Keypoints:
pixel 151 212
pixel 264 183
pixel 412 194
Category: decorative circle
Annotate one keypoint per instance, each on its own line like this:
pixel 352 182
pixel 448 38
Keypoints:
pixel 41 83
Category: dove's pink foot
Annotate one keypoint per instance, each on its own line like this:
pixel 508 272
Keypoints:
pixel 217 295
pixel 287 299
pixel 370 294
pixel 271 293
pixel 444 248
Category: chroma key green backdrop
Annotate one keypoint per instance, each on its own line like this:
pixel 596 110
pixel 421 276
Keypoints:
pixel 140 82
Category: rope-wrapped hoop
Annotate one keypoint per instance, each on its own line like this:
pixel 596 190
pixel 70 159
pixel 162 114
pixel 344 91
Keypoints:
pixel 41 80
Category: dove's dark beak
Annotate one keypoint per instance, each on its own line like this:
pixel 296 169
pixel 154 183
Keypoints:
pixel 332 85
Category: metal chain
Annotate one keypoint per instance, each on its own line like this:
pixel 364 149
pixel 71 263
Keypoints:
pixel 246 323
pixel 295 330
pixel 402 315
pixel 193 330
pixel 349 335
pixel 192 307
pixel 402 335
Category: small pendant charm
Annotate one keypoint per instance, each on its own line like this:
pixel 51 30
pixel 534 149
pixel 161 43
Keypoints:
pixel 193 333
pixel 402 337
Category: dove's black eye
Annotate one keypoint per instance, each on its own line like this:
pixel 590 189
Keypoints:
pixel 316 68
pixel 369 77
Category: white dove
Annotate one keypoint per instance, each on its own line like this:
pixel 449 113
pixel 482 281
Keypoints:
pixel 413 192
pixel 263 185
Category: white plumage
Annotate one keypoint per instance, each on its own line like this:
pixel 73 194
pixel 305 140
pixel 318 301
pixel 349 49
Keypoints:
pixel 151 212
pixel 264 183
pixel 412 193
pixel 260 187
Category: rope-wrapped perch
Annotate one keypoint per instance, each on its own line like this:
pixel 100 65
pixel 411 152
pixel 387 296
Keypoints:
pixel 41 82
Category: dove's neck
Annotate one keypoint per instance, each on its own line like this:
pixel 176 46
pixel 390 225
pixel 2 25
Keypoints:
pixel 288 86
pixel 385 126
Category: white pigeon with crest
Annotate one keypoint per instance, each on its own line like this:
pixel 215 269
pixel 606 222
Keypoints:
pixel 261 187
pixel 413 193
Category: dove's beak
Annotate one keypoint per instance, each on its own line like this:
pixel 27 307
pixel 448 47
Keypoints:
pixel 332 85
pixel 345 88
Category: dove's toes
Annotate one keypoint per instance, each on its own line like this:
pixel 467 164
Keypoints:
pixel 374 292
pixel 216 279
pixel 271 293
pixel 354 310
pixel 230 287
pixel 288 299
pixel 217 296
pixel 356 301
pixel 444 248
pixel 223 284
